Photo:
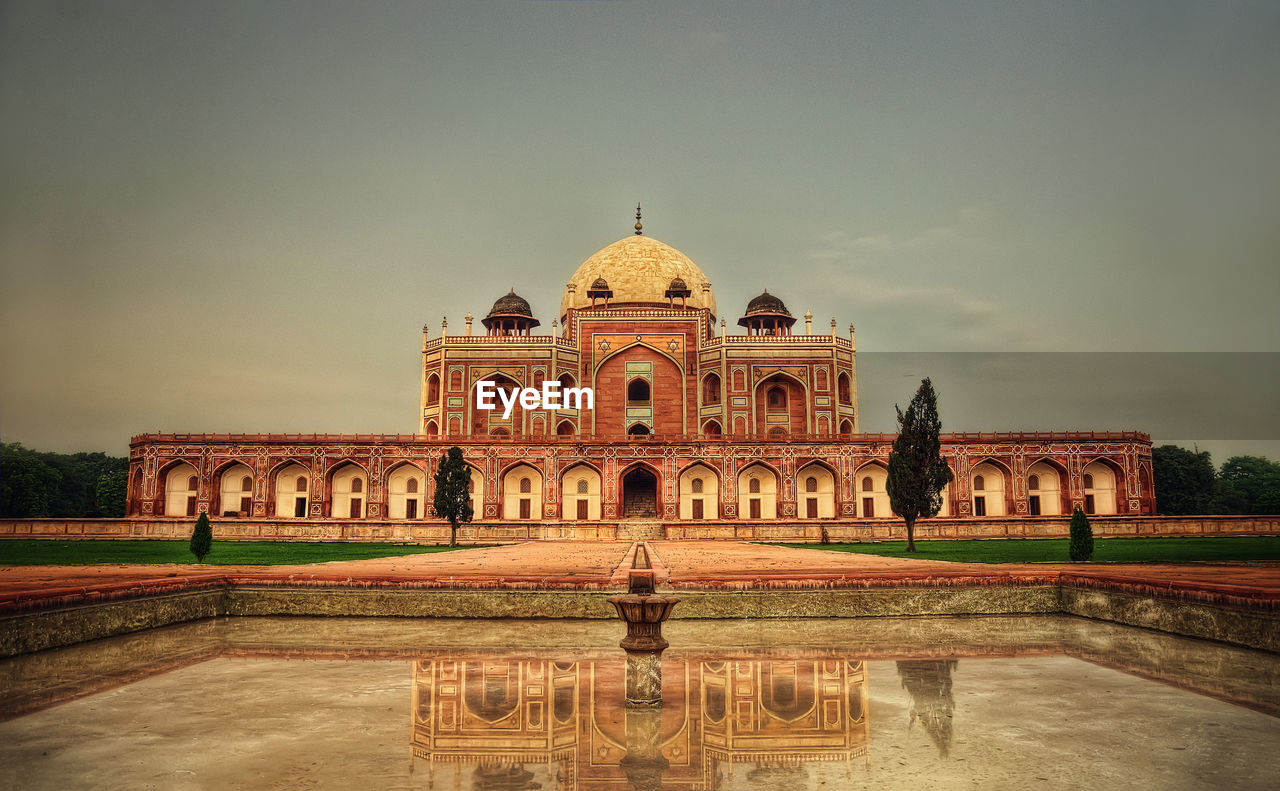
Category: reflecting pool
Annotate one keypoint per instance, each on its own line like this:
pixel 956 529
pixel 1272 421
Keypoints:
pixel 265 703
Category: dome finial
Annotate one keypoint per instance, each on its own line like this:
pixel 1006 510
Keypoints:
pixel 639 226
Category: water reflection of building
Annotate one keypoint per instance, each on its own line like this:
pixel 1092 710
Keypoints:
pixel 489 722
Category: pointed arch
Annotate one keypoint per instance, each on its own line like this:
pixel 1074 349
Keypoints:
pixel 234 498
pixel 580 487
pixel 1106 493
pixel 180 497
pixel 711 389
pixel 758 491
pixel 490 421
pixel 633 367
pixel 844 389
pixel 477 488
pixel 433 389
pixel 639 484
pixel 990 487
pixel 348 490
pixel 1047 491
pixel 522 492
pixel 699 492
pixel 712 428
pixel 406 491
pixel 816 490
pixel 781 401
pixel 565 428
pixel 871 489
pixel 291 489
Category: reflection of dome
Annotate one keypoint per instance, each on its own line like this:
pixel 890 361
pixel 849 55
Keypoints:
pixel 639 270
pixel 767 303
pixel 511 304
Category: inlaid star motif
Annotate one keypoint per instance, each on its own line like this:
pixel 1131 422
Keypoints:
pixel 673 345
pixel 604 346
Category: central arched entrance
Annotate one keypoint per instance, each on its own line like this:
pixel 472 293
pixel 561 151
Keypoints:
pixel 639 494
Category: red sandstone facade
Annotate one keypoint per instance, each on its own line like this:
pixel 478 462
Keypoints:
pixel 688 424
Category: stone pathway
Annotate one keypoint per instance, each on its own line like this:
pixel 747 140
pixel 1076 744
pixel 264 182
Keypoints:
pixel 680 563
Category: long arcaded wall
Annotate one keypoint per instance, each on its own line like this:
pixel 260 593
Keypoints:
pixel 780 530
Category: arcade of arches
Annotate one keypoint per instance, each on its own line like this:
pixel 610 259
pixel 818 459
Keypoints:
pixel 759 490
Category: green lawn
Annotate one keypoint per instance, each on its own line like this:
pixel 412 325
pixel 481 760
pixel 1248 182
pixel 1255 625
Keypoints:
pixel 1054 550
pixel 21 552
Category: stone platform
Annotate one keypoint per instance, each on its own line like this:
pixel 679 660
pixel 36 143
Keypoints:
pixel 46 606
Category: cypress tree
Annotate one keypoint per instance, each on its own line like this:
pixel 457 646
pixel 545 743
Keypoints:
pixel 453 492
pixel 202 538
pixel 1081 537
pixel 917 471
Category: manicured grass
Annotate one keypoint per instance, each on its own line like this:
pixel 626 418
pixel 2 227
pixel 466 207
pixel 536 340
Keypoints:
pixel 1054 550
pixel 22 552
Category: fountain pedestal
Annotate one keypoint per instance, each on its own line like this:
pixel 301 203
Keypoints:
pixel 643 610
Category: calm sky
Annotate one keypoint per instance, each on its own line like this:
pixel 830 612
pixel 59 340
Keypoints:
pixel 237 216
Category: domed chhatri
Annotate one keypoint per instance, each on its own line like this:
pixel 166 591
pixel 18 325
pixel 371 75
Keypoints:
pixel 767 315
pixel 767 303
pixel 639 270
pixel 510 315
pixel 599 290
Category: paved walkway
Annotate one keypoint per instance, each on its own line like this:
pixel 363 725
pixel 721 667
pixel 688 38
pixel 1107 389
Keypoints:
pixel 688 564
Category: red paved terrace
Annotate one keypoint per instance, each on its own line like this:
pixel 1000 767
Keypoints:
pixel 586 566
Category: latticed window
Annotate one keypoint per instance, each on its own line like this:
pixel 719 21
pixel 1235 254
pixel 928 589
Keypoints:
pixel 753 486
pixel 867 485
pixel 696 486
pixel 582 486
pixel 357 485
pixel 811 484
pixel 979 483
pixel 192 483
pixel 526 486
pixel 777 397
pixel 1033 482
pixel 412 486
pixel 246 484
pixel 301 485
pixel 1088 481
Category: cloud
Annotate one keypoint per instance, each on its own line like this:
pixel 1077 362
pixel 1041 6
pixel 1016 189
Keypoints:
pixel 899 272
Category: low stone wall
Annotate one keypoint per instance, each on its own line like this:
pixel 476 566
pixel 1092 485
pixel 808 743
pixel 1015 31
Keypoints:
pixel 774 530
pixel 365 530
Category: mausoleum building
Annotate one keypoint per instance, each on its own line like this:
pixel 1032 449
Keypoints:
pixel 690 427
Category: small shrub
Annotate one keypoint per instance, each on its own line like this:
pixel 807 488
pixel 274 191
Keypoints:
pixel 202 538
pixel 1081 537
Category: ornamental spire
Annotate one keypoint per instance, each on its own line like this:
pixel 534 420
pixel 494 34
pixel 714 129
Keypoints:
pixel 639 225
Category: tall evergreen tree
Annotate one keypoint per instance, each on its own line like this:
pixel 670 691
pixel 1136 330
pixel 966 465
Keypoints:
pixel 453 492
pixel 1081 547
pixel 917 472
pixel 202 538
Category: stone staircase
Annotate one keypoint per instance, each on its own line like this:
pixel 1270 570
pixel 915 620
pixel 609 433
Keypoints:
pixel 641 530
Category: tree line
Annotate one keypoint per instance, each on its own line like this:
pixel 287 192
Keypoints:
pixel 61 485
pixel 1188 484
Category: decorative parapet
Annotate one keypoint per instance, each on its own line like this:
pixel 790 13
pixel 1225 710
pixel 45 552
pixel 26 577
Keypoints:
pixel 652 439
